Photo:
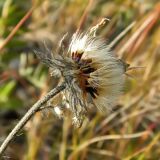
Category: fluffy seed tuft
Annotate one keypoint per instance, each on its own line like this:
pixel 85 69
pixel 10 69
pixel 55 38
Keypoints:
pixel 93 74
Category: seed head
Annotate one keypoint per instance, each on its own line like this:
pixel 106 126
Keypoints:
pixel 93 74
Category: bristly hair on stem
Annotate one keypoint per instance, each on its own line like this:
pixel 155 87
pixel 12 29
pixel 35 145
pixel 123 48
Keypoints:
pixel 94 76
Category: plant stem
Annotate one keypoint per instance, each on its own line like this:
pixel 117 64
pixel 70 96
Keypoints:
pixel 29 114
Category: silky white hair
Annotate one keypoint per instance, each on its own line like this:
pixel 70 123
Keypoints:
pixel 108 76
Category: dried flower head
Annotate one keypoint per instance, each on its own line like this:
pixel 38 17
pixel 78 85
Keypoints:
pixel 93 74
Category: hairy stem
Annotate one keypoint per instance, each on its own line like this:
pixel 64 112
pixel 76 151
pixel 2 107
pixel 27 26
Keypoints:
pixel 29 114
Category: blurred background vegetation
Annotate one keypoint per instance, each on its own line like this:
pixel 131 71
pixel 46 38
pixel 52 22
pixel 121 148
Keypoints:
pixel 23 80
